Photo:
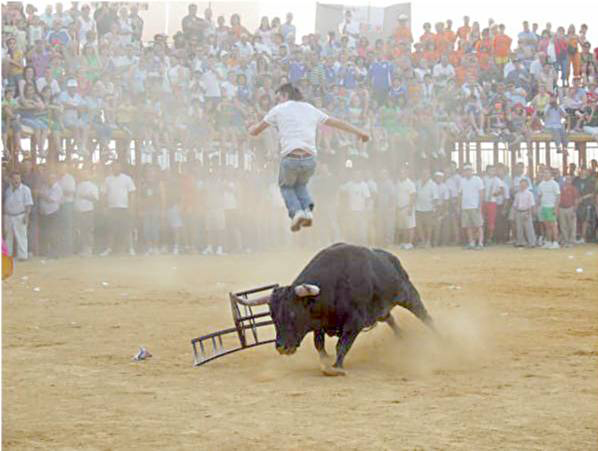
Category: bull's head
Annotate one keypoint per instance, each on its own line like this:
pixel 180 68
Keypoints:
pixel 289 308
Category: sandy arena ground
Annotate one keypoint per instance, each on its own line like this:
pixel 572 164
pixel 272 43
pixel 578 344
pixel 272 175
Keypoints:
pixel 517 370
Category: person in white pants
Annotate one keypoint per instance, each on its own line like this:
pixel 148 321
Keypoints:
pixel 17 208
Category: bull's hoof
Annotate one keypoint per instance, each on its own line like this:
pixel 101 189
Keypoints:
pixel 332 371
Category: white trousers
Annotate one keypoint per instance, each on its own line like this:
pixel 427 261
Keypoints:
pixel 15 229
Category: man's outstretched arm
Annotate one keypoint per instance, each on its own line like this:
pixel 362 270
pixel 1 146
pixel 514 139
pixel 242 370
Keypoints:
pixel 344 126
pixel 255 130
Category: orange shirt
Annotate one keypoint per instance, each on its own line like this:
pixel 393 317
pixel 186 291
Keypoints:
pixel 455 57
pixel 416 57
pixel 460 74
pixel 450 36
pixel 430 56
pixel 427 36
pixel 463 31
pixel 403 34
pixel 501 45
pixel 483 45
pixel 441 44
pixel 483 60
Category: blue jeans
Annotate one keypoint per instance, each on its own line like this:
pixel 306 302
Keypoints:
pixel 293 178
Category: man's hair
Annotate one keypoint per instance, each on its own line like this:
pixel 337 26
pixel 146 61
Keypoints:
pixel 292 92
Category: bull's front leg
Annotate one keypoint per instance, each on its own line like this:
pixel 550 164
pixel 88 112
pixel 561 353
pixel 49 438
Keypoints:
pixel 319 340
pixel 342 347
pixel 393 325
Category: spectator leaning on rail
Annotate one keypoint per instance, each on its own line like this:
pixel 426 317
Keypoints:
pixel 297 122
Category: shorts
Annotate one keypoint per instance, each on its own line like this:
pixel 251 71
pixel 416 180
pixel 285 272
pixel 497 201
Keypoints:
pixel 501 60
pixel 471 217
pixel 547 214
pixel 425 219
pixel 490 214
pixel 405 221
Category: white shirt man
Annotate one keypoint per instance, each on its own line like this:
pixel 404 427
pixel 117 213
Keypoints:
pixel 50 199
pixel 117 189
pixel 297 124
pixel 357 195
pixel 443 73
pixel 470 192
pixel 68 185
pixel 17 207
pixel 87 193
pixel 426 196
pixel 405 192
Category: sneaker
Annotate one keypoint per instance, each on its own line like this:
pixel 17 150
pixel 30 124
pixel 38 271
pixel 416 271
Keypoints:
pixel 540 241
pixel 580 241
pixel 106 252
pixel 208 250
pixel 220 251
pixel 298 219
pixel 469 246
pixel 175 250
pixel 479 247
pixel 408 246
pixel 132 252
pixel 309 218
pixel 547 245
pixel 555 245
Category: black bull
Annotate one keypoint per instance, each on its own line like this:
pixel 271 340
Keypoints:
pixel 343 290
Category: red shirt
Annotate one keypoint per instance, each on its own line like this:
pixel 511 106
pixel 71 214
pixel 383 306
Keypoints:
pixel 569 195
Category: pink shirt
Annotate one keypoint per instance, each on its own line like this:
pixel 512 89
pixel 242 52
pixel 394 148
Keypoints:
pixel 524 200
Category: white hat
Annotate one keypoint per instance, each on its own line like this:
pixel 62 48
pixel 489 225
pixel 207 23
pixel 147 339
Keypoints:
pixel 72 83
pixel 468 166
pixel 439 173
pixel 349 164
pixel 403 17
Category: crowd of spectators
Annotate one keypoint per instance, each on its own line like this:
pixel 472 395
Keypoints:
pixel 87 75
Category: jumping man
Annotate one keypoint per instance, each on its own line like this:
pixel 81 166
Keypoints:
pixel 297 123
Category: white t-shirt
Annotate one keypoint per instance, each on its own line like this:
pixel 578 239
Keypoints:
pixel 51 205
pixel 85 190
pixel 297 124
pixel 68 185
pixel 16 201
pixel 405 189
pixel 358 193
pixel 470 190
pixel 426 194
pixel 117 189
pixel 548 190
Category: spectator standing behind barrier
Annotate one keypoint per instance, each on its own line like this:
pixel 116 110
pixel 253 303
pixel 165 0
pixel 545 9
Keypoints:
pixel 567 212
pixel 17 204
pixel 355 196
pixel 385 210
pixel 87 194
pixel 523 207
pixel 426 200
pixel 68 185
pixel 50 198
pixel 549 198
pixel 472 197
pixel 586 186
pixel 117 189
pixel 405 210
pixel 493 189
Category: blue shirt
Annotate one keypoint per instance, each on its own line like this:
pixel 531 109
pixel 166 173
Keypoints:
pixel 348 79
pixel 329 74
pixel 297 71
pixel 380 74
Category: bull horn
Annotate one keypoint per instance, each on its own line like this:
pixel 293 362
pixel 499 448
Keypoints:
pixel 258 301
pixel 305 289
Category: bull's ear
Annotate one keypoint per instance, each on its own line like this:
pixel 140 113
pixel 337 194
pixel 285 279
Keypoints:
pixel 305 290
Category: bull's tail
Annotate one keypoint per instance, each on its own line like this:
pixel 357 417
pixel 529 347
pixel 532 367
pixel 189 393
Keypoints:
pixel 414 304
